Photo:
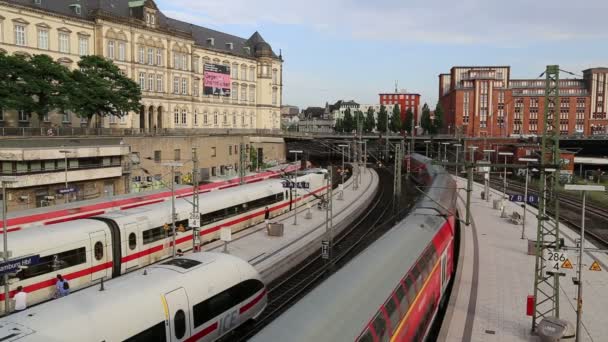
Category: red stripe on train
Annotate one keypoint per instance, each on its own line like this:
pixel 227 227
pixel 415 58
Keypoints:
pixel 11 230
pixel 208 330
pixel 251 304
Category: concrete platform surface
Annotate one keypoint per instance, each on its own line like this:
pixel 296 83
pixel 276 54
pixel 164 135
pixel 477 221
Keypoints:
pixel 272 256
pixel 488 302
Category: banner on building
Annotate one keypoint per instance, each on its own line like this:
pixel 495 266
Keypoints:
pixel 216 80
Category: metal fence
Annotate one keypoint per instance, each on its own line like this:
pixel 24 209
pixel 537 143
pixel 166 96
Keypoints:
pixel 86 131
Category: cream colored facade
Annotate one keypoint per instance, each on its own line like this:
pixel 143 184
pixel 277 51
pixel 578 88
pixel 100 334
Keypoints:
pixel 165 60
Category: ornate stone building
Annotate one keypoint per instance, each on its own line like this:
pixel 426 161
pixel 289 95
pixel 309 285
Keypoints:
pixel 164 56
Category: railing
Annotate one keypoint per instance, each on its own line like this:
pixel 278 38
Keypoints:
pixel 86 131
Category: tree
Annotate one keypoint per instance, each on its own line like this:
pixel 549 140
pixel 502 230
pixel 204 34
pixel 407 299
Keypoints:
pixel 359 121
pixel 438 122
pixel 395 124
pixel 407 123
pixel 35 84
pixel 370 122
pixel 348 123
pixel 382 119
pixel 100 88
pixel 338 126
pixel 425 119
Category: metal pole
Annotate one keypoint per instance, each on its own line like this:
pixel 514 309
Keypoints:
pixel 7 308
pixel 427 149
pixel 196 239
pixel 579 299
pixel 342 182
pixel 470 186
pixel 456 167
pixel 331 214
pixel 504 185
pixel 173 206
pixel 295 180
pixel 67 195
pixel 523 222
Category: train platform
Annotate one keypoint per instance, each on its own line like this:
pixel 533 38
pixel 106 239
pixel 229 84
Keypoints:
pixel 272 256
pixel 496 274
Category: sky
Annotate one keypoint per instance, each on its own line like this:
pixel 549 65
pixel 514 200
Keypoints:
pixel 356 49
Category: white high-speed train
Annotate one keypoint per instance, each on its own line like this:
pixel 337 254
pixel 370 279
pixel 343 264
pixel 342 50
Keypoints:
pixel 195 298
pixel 85 251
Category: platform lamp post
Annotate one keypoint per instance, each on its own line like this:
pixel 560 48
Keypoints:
pixel 579 299
pixel 458 146
pixel 426 143
pixel 445 151
pixel 341 197
pixel 523 220
pixel 5 180
pixel 504 178
pixel 65 168
pixel 470 183
pixel 295 180
pixel 173 165
pixel 487 187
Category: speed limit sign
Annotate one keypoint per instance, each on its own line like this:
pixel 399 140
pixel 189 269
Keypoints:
pixel 554 259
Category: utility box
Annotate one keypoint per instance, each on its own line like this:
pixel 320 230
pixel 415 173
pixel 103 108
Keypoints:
pixel 496 204
pixel 275 229
pixel 531 247
pixel 552 329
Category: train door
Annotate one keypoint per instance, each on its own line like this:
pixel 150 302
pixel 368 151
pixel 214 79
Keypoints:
pixel 179 314
pixel 132 246
pixel 99 255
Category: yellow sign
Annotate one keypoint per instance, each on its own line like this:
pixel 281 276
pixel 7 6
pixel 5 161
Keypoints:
pixel 567 264
pixel 595 266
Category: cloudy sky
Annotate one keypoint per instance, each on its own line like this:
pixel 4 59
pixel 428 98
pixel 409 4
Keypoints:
pixel 354 49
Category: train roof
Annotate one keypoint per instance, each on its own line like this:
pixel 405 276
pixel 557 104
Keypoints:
pixel 129 303
pixel 340 308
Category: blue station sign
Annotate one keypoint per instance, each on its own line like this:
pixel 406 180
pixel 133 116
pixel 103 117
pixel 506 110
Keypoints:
pixel 296 185
pixel 12 266
pixel 532 199
pixel 64 191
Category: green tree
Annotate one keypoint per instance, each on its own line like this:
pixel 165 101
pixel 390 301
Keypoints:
pixel 348 123
pixel 382 119
pixel 100 88
pixel 370 122
pixel 438 122
pixel 338 126
pixel 395 124
pixel 37 84
pixel 425 119
pixel 407 123
pixel 359 121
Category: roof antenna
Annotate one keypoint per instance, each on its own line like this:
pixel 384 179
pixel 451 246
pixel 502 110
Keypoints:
pixel 280 53
pixel 396 86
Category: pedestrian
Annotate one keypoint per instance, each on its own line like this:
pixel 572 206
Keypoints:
pixel 20 298
pixel 266 215
pixel 59 286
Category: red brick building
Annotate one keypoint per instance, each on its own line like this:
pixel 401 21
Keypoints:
pixel 405 101
pixel 485 101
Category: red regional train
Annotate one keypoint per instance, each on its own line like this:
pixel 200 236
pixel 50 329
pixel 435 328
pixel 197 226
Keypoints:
pixel 83 209
pixel 392 291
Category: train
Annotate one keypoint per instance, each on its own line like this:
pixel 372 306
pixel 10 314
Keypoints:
pixel 391 291
pixel 200 297
pixel 40 217
pixel 87 250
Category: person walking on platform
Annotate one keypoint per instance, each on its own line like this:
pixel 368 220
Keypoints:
pixel 20 298
pixel 266 216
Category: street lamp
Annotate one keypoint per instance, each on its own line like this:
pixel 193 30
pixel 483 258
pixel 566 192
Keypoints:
pixel 342 182
pixel 487 187
pixel 65 157
pixel 427 142
pixel 523 221
pixel 295 180
pixel 173 165
pixel 445 151
pixel 457 153
pixel 4 180
pixel 504 183
pixel 579 311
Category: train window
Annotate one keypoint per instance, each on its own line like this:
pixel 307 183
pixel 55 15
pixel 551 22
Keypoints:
pixel 245 289
pixel 98 250
pixel 180 324
pixel 132 241
pixel 379 324
pixel 366 336
pixel 393 313
pixel 55 262
pixel 415 275
pixel 402 299
pixel 154 234
pixel 410 290
pixel 212 307
pixel 154 334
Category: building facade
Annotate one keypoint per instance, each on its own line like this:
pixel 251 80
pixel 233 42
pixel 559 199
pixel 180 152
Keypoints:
pixel 485 101
pixel 165 56
pixel 406 101
pixel 339 108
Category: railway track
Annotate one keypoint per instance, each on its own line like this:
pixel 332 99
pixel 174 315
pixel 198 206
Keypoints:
pixel 286 290
pixel 596 218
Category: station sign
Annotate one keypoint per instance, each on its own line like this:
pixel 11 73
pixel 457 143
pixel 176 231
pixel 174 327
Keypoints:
pixel 195 220
pixel 325 249
pixel 532 199
pixel 296 185
pixel 13 266
pixel 555 259
pixel 64 191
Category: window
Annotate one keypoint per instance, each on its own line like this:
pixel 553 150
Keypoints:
pixel 150 56
pixel 252 74
pixel 215 118
pixel 244 92
pixel 98 250
pixel 205 121
pixel 175 85
pixel 176 61
pixel 235 92
pixel 184 117
pixel 251 94
pixel 184 61
pixel 234 119
pixel 195 64
pixel 150 82
pixel 179 320
pixel 275 76
pixel 152 19
pixel 45 117
pixel 157 156
pixel 225 119
pixel 380 326
pixel 66 117
pixel 195 118
pixel 195 88
pixel 176 116
pixel 244 72
pixel 23 117
pixel 402 300
pixel 142 80
pixel 83 46
pixel 184 86
pixel 159 57
pixel 159 83
pixel 177 154
pixel 43 39
pixel 64 42
pixel 111 49
pixel 156 333
pixel 235 71
pixel 147 18
pixel 20 35
pixel 121 51
pixel 142 55
pixel 274 96
pixel 213 152
pixel 393 312
pixel 55 262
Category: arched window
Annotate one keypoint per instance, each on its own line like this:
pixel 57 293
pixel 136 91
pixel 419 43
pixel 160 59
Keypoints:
pixel 184 117
pixel 215 118
pixel 176 116
pixel 195 117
